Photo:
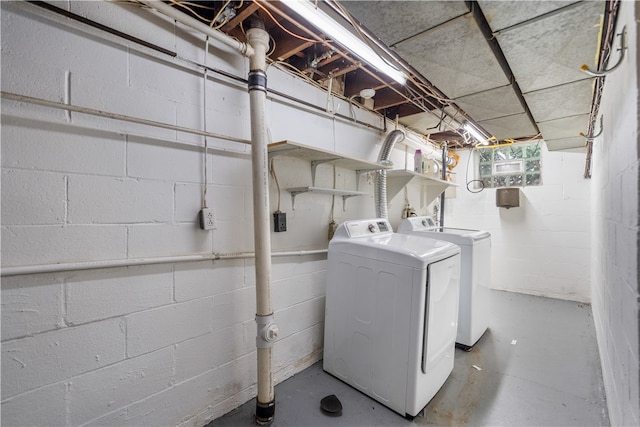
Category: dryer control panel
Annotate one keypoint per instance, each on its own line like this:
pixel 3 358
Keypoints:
pixel 368 227
pixel 419 223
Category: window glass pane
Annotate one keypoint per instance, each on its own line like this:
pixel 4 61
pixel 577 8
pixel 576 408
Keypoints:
pixel 485 156
pixel 515 152
pixel 534 179
pixel 515 165
pixel 500 181
pixel 515 181
pixel 499 154
pixel 533 150
pixel 485 170
pixel 532 166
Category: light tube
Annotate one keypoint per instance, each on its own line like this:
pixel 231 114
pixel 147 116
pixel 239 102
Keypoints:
pixel 342 36
pixel 475 133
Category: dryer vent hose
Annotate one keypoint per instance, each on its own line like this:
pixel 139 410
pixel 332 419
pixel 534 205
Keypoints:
pixel 380 184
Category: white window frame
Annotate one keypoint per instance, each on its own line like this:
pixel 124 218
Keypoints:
pixel 518 163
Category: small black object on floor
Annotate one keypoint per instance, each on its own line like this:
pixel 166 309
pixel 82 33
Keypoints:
pixel 331 406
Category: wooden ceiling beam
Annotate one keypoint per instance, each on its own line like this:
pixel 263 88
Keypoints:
pixel 244 14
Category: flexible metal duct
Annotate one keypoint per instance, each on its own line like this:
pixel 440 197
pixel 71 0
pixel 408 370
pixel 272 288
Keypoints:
pixel 380 184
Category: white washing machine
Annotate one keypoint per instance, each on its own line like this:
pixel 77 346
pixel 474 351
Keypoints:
pixel 475 276
pixel 391 313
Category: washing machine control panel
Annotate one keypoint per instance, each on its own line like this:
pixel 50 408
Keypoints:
pixel 420 223
pixel 368 227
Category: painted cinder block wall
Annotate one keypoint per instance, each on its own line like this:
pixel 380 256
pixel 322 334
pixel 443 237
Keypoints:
pixel 150 345
pixel 170 343
pixel 615 221
pixel 166 344
pixel 541 247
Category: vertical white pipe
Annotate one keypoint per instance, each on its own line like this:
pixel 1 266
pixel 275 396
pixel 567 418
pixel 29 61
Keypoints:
pixel 265 402
pixel 255 49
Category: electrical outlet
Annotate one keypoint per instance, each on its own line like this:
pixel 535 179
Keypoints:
pixel 207 219
pixel 279 221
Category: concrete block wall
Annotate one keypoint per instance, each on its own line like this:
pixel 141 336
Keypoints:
pixel 543 246
pixel 165 344
pixel 616 232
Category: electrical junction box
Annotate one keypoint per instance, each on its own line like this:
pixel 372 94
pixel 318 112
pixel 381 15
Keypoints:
pixel 279 221
pixel 207 219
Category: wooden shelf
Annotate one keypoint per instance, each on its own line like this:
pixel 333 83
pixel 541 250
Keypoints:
pixel 398 178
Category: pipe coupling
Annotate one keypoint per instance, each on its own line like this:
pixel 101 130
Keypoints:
pixel 257 80
pixel 267 331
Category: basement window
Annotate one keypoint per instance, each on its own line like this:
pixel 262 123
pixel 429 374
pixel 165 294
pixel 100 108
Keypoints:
pixel 511 166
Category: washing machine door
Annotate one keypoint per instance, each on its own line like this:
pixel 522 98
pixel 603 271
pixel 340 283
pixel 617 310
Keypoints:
pixel 436 350
pixel 441 315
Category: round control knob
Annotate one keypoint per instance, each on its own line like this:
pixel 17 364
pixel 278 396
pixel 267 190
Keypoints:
pixel 372 228
pixel 424 222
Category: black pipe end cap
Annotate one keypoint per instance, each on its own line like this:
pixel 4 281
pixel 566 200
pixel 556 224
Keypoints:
pixel 330 405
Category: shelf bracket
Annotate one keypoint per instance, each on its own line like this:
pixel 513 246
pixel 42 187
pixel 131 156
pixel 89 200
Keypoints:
pixel 358 173
pixel 364 172
pixel 344 202
pixel 314 166
pixel 293 199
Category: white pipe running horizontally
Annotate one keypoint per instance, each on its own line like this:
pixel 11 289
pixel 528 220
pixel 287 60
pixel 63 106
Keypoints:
pixel 24 270
pixel 219 36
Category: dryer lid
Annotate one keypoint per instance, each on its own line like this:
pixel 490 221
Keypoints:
pixel 401 249
pixel 416 225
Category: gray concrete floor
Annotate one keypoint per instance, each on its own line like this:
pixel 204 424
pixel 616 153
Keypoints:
pixel 539 366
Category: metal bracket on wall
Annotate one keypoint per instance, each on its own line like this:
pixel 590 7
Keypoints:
pixel 314 167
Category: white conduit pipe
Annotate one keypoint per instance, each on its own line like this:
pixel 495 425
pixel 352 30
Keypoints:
pixel 219 36
pixel 115 116
pixel 255 49
pixel 258 38
pixel 24 270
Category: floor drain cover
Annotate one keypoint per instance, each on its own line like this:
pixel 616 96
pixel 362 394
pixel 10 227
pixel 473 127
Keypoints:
pixel 331 405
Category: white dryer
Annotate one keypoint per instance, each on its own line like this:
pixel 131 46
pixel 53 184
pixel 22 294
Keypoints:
pixel 475 299
pixel 391 313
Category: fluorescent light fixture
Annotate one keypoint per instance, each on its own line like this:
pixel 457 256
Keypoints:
pixel 476 133
pixel 342 36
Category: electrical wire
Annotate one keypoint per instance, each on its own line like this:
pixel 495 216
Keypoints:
pixel 410 95
pixel 416 98
pixel 333 196
pixel 215 18
pixel 200 5
pixel 273 49
pixel 299 72
pixel 466 177
pixel 606 47
pixel 365 39
pixel 257 3
pixel 204 123
pixel 184 6
pixel 362 37
pixel 275 179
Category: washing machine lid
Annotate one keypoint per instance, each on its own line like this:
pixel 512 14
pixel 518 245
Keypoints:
pixel 374 239
pixel 460 236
